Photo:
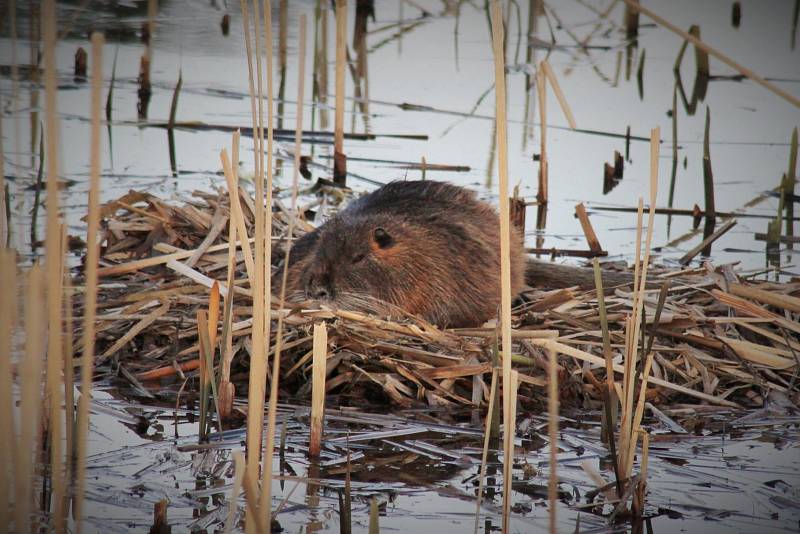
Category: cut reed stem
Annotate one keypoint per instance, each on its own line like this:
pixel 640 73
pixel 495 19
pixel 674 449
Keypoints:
pixel 318 388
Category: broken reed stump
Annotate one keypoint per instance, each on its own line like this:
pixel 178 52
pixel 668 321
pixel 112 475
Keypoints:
pixel 319 364
pixel 225 24
pixel 160 525
pixel 612 174
pixel 145 89
pixel 517 207
pixel 588 231
pixel 81 64
pixel 631 21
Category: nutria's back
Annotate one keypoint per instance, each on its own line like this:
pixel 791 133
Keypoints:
pixel 429 248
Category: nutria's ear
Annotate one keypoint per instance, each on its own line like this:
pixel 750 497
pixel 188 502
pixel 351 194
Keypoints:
pixel 382 238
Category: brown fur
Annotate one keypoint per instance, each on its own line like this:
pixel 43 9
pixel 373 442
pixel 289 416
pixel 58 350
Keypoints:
pixel 429 248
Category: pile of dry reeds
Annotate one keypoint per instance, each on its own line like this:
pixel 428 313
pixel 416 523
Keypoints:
pixel 715 338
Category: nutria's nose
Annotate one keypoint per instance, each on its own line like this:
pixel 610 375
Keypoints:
pixel 318 289
pixel 320 293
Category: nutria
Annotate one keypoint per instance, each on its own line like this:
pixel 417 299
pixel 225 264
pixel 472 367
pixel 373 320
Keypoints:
pixel 429 248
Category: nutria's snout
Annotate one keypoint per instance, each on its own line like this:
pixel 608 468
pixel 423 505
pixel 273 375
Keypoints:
pixel 320 287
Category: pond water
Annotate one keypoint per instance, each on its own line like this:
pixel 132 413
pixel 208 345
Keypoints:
pixel 428 94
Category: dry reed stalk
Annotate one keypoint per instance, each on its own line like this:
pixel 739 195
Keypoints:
pixel 631 417
pixel 227 390
pixel 8 317
pixel 265 502
pixel 630 354
pixel 318 388
pixel 236 489
pixel 4 210
pixel 505 232
pixel 53 259
pixel 339 160
pixel 152 12
pixel 258 361
pixel 68 367
pixel 90 282
pixel 486 436
pixel 256 519
pixel 236 211
pixel 541 92
pixel 552 431
pixel 374 521
pixel 298 138
pixel 323 67
pixel 509 433
pixel 641 490
pixel 268 174
pixel 30 377
pixel 714 52
pixel 562 100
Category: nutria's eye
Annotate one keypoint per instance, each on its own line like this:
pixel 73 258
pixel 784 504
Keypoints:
pixel 382 238
pixel 357 258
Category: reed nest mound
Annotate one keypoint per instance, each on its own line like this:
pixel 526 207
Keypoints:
pixel 716 337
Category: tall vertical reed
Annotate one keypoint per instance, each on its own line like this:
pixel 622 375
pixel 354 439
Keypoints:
pixel 633 399
pixel 552 432
pixel 90 293
pixel 4 209
pixel 53 254
pixel 258 364
pixel 272 409
pixel 505 224
pixel 8 317
pixel 298 145
pixel 339 161
pixel 541 90
pixel 30 377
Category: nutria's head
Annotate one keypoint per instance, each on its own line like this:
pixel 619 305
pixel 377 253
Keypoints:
pixel 428 249
pixel 354 262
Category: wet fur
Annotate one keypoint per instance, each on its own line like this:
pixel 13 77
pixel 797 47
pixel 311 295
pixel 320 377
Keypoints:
pixel 438 257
